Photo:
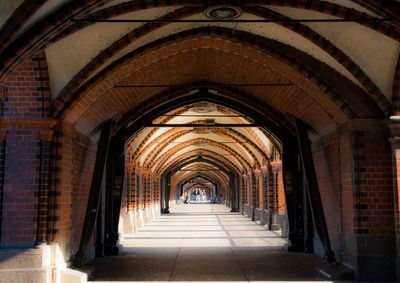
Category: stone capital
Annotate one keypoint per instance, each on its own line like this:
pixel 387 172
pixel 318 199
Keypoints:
pixel 12 123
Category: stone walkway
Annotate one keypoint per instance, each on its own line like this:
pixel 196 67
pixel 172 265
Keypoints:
pixel 203 242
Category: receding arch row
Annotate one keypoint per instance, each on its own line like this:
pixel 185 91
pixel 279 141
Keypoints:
pixel 159 150
pixel 283 135
pixel 172 134
pixel 146 149
pixel 205 153
pixel 219 177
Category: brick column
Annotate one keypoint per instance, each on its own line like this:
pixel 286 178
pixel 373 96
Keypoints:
pixel 158 190
pixel 258 192
pixel 129 186
pixel 22 180
pixel 264 173
pixel 271 187
pixel 242 190
pixel 146 189
pixel 253 189
pixel 271 196
pixel 246 189
pixel 140 188
pixel 368 238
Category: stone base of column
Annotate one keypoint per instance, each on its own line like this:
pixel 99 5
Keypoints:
pixel 41 264
pixel 25 265
pixel 371 257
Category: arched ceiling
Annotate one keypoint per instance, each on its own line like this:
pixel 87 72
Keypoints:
pixel 332 71
pixel 74 45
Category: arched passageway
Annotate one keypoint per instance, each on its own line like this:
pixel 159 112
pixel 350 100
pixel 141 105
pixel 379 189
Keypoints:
pixel 113 111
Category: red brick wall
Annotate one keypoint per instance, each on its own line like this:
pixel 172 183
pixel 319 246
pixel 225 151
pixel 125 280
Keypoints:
pixel 24 113
pixel 373 192
pixel 28 94
pixel 25 117
pixel 20 188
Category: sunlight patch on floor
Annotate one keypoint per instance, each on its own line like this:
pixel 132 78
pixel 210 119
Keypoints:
pixel 202 226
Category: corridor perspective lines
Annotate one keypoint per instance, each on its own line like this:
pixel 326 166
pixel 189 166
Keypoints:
pixel 203 242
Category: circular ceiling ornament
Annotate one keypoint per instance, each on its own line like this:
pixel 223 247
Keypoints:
pixel 203 107
pixel 223 12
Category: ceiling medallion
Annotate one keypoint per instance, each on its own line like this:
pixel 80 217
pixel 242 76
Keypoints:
pixel 223 12
pixel 203 107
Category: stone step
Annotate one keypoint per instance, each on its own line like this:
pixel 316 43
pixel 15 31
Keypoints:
pixel 21 258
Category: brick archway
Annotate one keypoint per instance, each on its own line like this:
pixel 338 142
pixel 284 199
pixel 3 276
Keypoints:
pixel 326 124
pixel 331 104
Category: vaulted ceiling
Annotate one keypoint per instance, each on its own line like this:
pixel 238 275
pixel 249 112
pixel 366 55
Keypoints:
pixel 212 150
pixel 329 62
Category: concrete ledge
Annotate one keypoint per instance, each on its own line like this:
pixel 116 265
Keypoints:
pixel 72 276
pixel 21 258
pixel 31 275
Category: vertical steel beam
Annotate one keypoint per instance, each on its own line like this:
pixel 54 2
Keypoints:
pixel 95 190
pixel 2 175
pixel 313 189
pixel 113 196
pixel 293 195
pixel 99 239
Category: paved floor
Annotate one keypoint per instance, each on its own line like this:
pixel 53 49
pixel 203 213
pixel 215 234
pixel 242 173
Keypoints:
pixel 203 242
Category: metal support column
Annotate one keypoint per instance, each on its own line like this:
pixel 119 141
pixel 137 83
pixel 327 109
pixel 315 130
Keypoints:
pixel 313 190
pixel 95 190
